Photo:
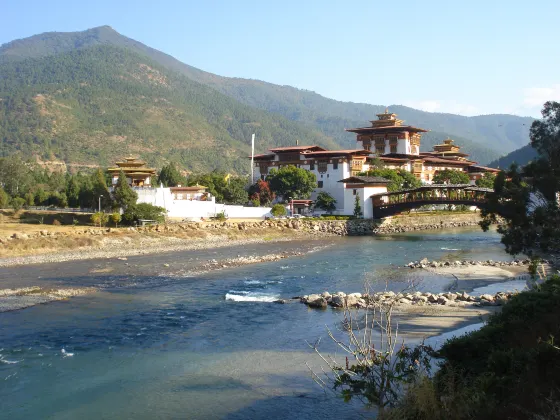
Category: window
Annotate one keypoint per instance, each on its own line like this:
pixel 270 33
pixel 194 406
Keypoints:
pixel 319 184
pixel 312 166
pixel 335 164
pixel 354 192
pixel 380 150
pixel 393 148
pixel 322 166
pixel 327 175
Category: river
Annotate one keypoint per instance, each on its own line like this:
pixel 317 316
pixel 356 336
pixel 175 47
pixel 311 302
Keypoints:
pixel 155 342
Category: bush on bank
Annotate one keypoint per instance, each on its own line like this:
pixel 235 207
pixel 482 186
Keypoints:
pixel 509 369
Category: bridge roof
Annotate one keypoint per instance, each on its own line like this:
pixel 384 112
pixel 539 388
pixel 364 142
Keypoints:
pixel 365 180
pixel 467 187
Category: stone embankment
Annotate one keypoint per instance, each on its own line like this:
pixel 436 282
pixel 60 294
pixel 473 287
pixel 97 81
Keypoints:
pixel 307 226
pixel 425 263
pixel 358 300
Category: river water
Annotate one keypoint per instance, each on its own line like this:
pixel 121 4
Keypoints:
pixel 155 342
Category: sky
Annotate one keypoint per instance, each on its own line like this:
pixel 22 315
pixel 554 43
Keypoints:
pixel 465 57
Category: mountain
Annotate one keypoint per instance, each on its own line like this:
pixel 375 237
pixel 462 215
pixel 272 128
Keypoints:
pixel 520 156
pixel 315 118
pixel 96 104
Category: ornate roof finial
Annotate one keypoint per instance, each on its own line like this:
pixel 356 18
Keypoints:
pixel 387 110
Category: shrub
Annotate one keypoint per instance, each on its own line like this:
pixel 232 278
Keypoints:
pixel 278 210
pixel 17 203
pixel 116 218
pixel 99 218
pixel 221 216
pixel 144 211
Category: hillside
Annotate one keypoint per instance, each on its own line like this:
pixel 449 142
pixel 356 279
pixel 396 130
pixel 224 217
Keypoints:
pixel 96 104
pixel 520 156
pixel 484 137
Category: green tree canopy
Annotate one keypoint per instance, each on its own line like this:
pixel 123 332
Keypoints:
pixel 124 195
pixel 450 176
pixel 400 179
pixel 144 211
pixel 487 180
pixel 100 190
pixel 4 199
pixel 235 192
pixel 325 201
pixel 527 198
pixel 293 182
pixel 170 176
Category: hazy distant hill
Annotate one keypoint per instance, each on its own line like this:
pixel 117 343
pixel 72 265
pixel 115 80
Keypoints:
pixel 315 119
pixel 520 156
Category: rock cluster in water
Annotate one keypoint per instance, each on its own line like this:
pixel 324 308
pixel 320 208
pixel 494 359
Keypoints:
pixel 425 263
pixel 358 300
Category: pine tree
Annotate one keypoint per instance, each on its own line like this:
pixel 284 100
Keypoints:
pixel 357 207
pixel 100 190
pixel 124 195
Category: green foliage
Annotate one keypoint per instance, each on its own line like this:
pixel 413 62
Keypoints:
pixel 450 176
pixel 144 211
pixel 17 203
pixel 487 180
pixel 260 191
pixel 357 207
pixel 400 179
pixel 86 104
pixel 292 182
pixel 221 216
pixel 235 192
pixel 4 199
pixel 170 176
pixel 100 190
pixel 526 198
pixel 521 157
pixel 123 194
pixel 116 218
pixel 325 201
pixel 100 218
pixel 278 210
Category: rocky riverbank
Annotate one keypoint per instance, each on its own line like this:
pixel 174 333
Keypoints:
pixel 425 263
pixel 359 300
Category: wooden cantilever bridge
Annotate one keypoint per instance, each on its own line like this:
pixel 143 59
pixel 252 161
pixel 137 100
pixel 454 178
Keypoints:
pixel 393 202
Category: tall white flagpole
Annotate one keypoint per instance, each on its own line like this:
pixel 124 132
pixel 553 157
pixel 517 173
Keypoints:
pixel 252 159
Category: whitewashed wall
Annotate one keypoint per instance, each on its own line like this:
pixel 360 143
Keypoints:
pixel 194 209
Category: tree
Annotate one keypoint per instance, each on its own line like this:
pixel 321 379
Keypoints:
pixel 73 192
pixel 278 210
pixel 399 179
pixel 293 182
pixel 526 198
pixel 450 176
pixel 4 199
pixel 170 176
pixel 99 189
pixel 357 207
pixel 144 211
pixel 17 203
pixel 325 201
pixel 487 180
pixel 260 191
pixel 116 218
pixel 99 218
pixel 124 195
pixel 235 192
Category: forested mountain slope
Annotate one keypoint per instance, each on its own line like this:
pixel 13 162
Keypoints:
pixel 520 156
pixel 95 104
pixel 484 137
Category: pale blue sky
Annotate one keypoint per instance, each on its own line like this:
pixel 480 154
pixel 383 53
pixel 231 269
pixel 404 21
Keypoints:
pixel 468 57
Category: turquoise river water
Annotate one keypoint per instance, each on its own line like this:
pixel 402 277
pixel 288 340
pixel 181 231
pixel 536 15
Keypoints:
pixel 157 343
